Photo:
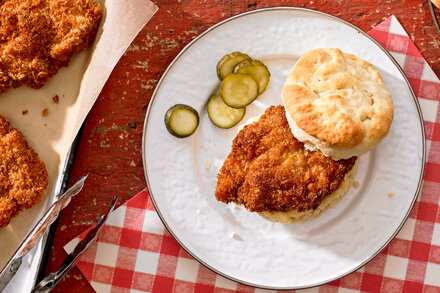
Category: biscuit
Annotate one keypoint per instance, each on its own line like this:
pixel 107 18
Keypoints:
pixel 337 103
pixel 23 176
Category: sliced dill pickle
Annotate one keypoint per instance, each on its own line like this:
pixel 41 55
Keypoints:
pixel 181 120
pixel 222 115
pixel 227 63
pixel 257 70
pixel 238 90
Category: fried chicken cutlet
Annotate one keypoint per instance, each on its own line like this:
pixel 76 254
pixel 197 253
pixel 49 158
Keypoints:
pixel 23 176
pixel 268 169
pixel 37 37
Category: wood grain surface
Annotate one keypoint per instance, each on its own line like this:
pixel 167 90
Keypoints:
pixel 110 147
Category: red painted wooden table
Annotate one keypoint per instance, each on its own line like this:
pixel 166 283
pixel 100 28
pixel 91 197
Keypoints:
pixel 110 147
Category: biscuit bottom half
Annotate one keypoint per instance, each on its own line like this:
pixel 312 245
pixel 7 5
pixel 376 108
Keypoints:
pixel 294 217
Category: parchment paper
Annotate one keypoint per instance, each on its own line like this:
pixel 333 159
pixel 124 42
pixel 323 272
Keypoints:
pixel 77 87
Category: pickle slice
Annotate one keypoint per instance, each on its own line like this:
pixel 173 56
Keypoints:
pixel 238 90
pixel 222 115
pixel 181 120
pixel 227 63
pixel 257 70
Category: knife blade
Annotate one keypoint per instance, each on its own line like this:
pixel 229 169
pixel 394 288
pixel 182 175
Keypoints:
pixel 39 229
pixel 51 280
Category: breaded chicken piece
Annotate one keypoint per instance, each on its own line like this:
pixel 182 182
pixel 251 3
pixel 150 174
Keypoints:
pixel 23 176
pixel 37 37
pixel 268 169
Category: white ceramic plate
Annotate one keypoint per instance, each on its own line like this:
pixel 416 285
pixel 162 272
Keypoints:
pixel 181 173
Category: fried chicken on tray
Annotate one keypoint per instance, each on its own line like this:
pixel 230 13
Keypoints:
pixel 23 176
pixel 37 37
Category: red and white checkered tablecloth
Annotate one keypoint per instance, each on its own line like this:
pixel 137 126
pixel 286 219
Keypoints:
pixel 134 235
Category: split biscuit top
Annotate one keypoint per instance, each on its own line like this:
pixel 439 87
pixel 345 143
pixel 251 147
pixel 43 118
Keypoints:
pixel 337 103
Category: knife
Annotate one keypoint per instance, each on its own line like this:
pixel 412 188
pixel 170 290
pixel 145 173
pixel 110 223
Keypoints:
pixel 50 281
pixel 40 228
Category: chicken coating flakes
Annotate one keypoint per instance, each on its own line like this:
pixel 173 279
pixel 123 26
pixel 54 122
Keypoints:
pixel 37 37
pixel 23 176
pixel 268 169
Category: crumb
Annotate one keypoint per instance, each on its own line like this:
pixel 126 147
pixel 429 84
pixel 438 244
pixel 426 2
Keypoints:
pixel 45 112
pixel 391 194
pixel 45 124
pixel 208 165
pixel 24 112
pixel 56 99
pixel 356 184
pixel 236 237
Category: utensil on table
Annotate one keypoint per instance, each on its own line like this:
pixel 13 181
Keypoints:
pixel 40 228
pixel 51 280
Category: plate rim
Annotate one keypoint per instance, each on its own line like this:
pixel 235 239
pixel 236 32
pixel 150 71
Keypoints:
pixel 262 10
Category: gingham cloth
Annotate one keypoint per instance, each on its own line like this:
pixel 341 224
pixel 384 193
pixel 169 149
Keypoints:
pixel 134 252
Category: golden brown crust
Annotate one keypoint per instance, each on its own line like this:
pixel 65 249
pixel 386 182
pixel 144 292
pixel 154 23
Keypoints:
pixel 436 3
pixel 268 169
pixel 37 37
pixel 23 176
pixel 339 99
